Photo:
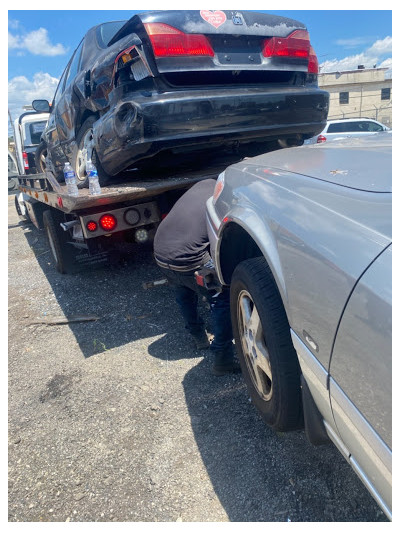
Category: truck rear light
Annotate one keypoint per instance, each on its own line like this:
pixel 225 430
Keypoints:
pixel 321 139
pixel 313 66
pixel 170 42
pixel 91 226
pixel 296 45
pixel 108 222
pixel 25 158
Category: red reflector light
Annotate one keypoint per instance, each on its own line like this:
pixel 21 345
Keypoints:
pixel 91 225
pixel 296 45
pixel 313 66
pixel 25 158
pixel 170 42
pixel 321 139
pixel 108 222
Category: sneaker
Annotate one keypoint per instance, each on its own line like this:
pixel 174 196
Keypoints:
pixel 224 364
pixel 201 340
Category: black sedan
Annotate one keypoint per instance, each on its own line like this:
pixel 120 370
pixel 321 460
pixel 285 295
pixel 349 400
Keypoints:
pixel 180 82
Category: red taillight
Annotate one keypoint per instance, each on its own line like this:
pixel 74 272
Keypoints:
pixel 170 42
pixel 25 158
pixel 296 45
pixel 321 139
pixel 91 225
pixel 108 222
pixel 313 67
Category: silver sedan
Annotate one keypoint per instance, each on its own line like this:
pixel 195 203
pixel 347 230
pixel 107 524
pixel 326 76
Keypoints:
pixel 303 236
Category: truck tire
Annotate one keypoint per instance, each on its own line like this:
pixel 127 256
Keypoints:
pixel 84 139
pixel 58 239
pixel 262 336
pixel 40 157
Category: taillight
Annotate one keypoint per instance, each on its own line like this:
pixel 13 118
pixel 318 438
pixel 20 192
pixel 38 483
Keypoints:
pixel 91 226
pixel 108 222
pixel 219 186
pixel 321 139
pixel 25 158
pixel 170 42
pixel 296 45
pixel 313 67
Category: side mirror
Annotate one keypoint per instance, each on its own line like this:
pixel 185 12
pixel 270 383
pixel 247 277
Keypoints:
pixel 41 106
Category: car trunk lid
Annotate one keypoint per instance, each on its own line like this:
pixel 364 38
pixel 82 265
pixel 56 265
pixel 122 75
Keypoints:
pixel 221 40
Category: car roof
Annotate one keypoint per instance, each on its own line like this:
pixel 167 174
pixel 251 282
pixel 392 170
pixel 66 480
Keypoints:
pixel 362 163
pixel 357 119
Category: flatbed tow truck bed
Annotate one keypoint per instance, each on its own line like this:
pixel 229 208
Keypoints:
pixel 44 188
pixel 87 229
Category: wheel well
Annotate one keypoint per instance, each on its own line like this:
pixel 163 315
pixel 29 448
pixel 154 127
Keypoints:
pixel 236 246
pixel 86 114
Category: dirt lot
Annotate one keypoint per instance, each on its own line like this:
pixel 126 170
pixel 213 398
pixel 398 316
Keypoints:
pixel 120 420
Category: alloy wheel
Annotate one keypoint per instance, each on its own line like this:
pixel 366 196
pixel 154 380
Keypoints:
pixel 253 344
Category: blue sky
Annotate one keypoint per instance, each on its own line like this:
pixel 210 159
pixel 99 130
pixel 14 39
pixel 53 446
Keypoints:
pixel 41 43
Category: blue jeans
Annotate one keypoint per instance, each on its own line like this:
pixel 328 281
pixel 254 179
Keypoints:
pixel 187 294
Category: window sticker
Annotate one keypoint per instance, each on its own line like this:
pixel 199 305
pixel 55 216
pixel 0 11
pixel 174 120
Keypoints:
pixel 215 18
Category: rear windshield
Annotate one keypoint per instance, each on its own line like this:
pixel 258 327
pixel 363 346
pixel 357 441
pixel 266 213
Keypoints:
pixel 107 31
pixel 33 131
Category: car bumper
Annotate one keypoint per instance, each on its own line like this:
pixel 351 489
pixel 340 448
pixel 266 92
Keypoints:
pixel 213 226
pixel 141 125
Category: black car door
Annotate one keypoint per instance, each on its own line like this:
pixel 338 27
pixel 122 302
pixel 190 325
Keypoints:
pixel 67 106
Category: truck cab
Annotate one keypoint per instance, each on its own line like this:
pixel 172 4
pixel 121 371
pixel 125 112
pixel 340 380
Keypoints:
pixel 28 129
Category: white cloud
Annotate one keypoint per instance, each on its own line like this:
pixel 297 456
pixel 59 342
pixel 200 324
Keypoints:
pixel 370 57
pixel 381 47
pixel 36 42
pixel 21 91
pixel 352 43
pixel 13 24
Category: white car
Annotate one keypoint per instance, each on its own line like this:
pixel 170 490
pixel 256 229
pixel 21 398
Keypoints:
pixel 347 127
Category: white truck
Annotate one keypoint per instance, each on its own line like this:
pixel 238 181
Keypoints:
pixel 28 129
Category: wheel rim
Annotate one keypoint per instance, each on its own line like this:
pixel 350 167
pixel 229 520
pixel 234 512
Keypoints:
pixel 52 247
pixel 253 345
pixel 85 152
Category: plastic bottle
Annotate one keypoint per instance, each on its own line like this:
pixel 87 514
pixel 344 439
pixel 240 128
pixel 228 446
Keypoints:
pixel 91 171
pixel 70 180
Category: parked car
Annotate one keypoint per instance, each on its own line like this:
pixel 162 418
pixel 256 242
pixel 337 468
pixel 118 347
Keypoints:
pixel 348 127
pixel 183 81
pixel 28 129
pixel 303 236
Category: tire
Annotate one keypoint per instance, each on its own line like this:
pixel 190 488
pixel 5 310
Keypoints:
pixel 12 183
pixel 21 215
pixel 262 336
pixel 58 239
pixel 84 139
pixel 40 157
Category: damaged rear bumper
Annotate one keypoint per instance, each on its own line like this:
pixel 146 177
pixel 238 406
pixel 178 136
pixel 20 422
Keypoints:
pixel 141 125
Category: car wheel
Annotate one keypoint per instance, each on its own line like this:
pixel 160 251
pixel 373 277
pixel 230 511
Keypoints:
pixel 58 239
pixel 40 157
pixel 262 336
pixel 85 150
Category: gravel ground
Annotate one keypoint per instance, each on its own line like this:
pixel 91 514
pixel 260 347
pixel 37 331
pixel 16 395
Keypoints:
pixel 121 420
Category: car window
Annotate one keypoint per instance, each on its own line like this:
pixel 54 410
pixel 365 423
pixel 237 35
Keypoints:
pixel 106 32
pixel 336 127
pixel 373 126
pixel 60 88
pixel 74 65
pixel 33 132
